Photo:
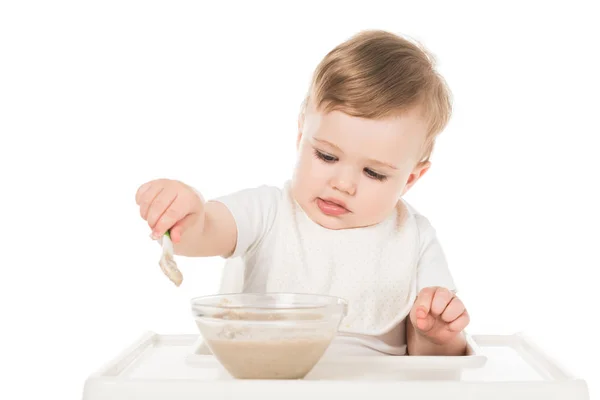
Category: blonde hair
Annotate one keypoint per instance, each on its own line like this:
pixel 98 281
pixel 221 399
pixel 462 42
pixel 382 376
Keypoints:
pixel 376 74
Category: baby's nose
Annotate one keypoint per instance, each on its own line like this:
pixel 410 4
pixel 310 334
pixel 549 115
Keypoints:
pixel 345 181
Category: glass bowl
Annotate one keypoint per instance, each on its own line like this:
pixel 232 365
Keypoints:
pixel 268 335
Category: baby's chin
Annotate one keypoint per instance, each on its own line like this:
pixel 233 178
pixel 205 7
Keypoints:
pixel 332 224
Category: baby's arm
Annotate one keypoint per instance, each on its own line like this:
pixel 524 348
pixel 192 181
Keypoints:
pixel 213 235
pixel 234 224
pixel 438 317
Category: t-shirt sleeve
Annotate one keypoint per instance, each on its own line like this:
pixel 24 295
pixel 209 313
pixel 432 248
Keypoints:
pixel 433 267
pixel 254 212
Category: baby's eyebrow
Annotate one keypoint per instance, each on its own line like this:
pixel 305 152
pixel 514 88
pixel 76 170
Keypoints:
pixel 327 143
pixel 380 163
pixel 383 164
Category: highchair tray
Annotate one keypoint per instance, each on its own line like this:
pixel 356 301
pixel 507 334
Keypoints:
pixel 500 367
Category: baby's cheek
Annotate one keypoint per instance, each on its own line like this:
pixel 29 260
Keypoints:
pixel 375 206
pixel 382 196
pixel 304 167
pixel 310 175
pixel 381 202
pixel 319 170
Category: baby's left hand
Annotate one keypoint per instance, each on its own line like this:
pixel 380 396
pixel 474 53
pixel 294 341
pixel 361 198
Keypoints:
pixel 438 315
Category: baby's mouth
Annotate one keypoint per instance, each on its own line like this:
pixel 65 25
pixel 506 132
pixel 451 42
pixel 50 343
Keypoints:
pixel 332 207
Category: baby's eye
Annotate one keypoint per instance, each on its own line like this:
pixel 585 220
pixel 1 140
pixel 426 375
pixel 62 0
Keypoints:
pixel 372 174
pixel 325 157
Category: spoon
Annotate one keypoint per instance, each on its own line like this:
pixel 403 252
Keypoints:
pixel 167 261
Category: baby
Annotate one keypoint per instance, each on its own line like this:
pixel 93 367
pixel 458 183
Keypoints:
pixel 340 225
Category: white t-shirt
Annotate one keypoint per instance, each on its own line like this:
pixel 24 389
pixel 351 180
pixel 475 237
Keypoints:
pixel 379 269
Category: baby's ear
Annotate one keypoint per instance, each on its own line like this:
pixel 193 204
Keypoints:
pixel 417 173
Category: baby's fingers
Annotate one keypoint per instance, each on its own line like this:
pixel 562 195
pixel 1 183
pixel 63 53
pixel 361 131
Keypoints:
pixel 423 302
pixel 453 310
pixel 441 300
pixel 175 212
pixel 147 198
pixel 141 191
pixel 160 204
pixel 459 324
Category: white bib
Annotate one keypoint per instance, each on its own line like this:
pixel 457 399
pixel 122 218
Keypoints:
pixel 373 268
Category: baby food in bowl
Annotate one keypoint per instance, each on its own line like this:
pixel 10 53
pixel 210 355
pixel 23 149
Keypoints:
pixel 268 336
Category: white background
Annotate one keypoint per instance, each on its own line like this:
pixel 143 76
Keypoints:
pixel 98 97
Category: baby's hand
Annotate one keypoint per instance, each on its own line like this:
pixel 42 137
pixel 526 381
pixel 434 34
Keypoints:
pixel 438 315
pixel 167 204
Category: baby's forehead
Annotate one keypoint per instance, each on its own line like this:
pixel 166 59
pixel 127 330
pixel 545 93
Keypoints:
pixel 407 120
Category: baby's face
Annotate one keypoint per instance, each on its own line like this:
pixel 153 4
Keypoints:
pixel 351 171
